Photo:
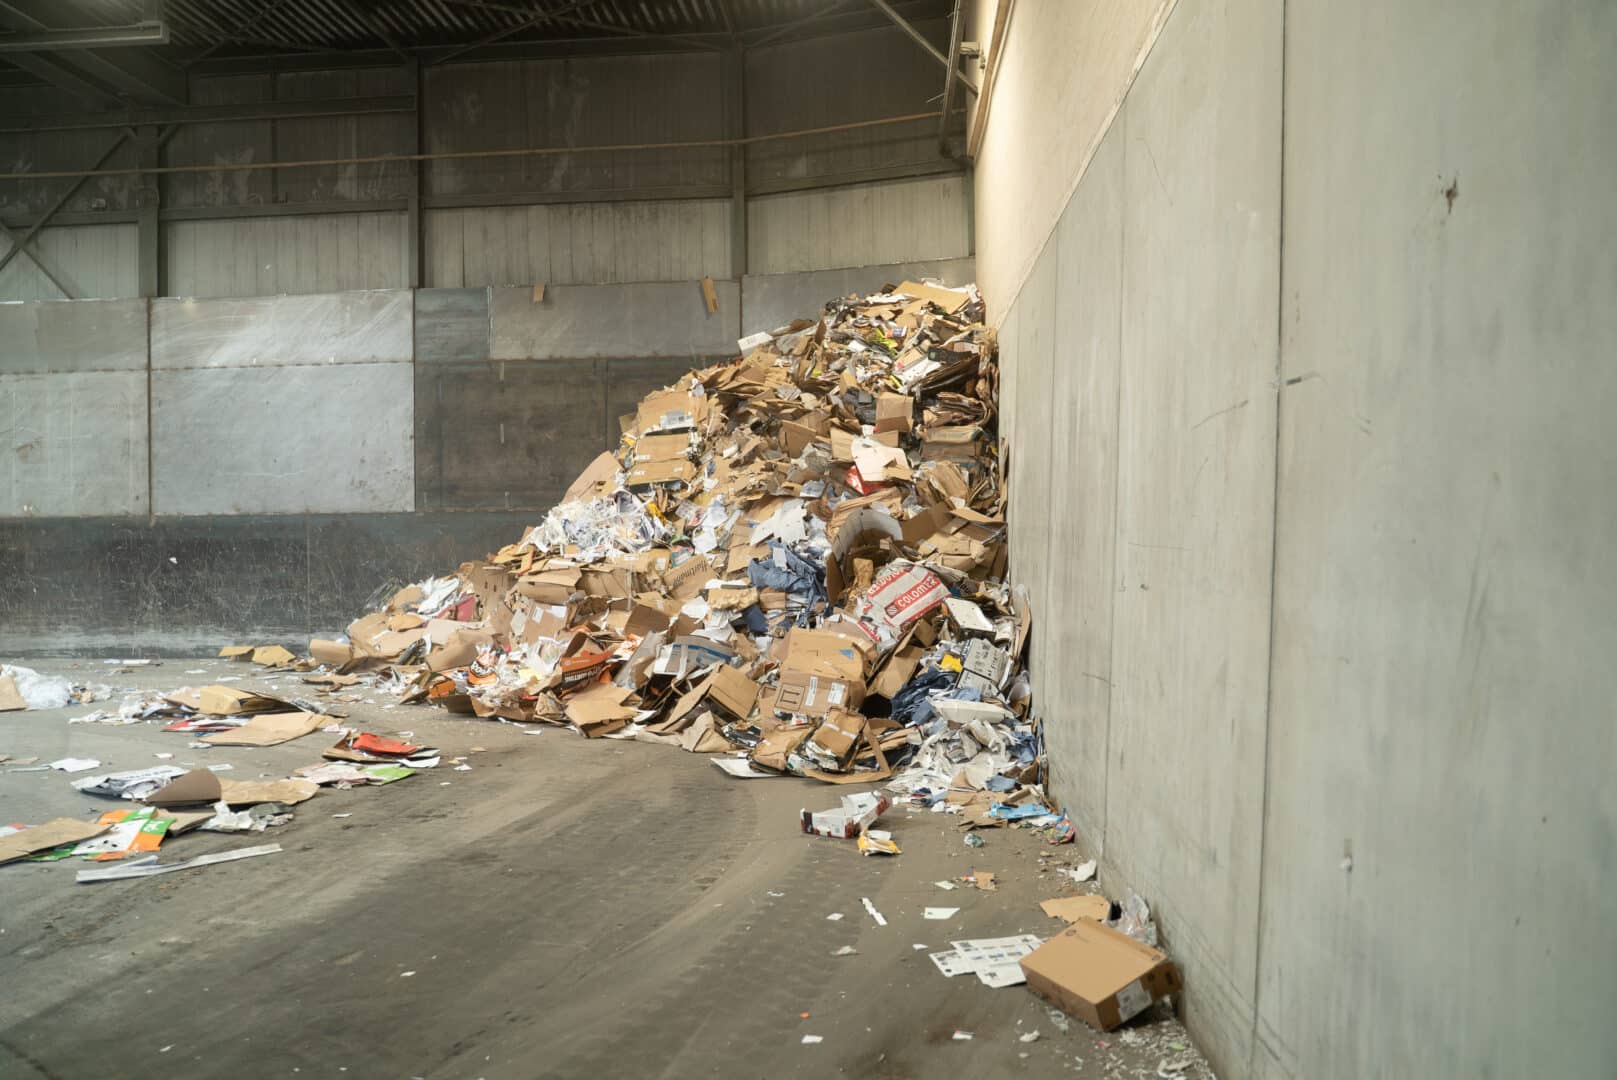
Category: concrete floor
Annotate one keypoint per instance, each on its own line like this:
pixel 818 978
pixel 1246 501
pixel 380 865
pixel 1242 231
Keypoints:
pixel 566 908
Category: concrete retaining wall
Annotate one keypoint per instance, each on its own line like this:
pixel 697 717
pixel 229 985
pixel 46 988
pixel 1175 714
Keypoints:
pixel 1314 527
pixel 73 408
pixel 283 404
pixel 186 585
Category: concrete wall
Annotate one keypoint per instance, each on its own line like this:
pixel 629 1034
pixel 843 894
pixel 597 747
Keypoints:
pixel 304 449
pixel 73 408
pixel 1058 74
pixel 1305 398
pixel 283 404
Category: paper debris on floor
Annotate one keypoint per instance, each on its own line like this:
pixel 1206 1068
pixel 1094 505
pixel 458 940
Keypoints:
pixel 1073 908
pixel 150 867
pixel 20 841
pixel 995 961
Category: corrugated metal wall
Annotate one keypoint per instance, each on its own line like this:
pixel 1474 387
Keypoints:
pixel 563 219
pixel 587 102
pixel 578 243
pixel 839 80
pixel 859 225
pixel 311 253
pixel 94 261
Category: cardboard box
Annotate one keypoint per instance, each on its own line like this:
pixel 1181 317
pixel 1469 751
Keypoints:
pixel 671 410
pixel 459 648
pixel 826 652
pixel 803 694
pixel 1099 975
pixel 689 577
pixel 663 447
pixel 894 412
pixel 951 444
pixel 832 745
pixel 899 669
pixel 331 653
pixel 596 480
pixel 550 586
pixel 689 653
pixel 898 597
pixel 726 688
pixel 949 300
pixel 986 667
pixel 660 472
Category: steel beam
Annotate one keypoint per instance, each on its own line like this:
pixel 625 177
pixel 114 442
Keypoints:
pixel 956 23
pixel 265 12
pixel 149 239
pixel 414 263
pixel 264 210
pixel 855 176
pixel 704 41
pixel 67 294
pixel 735 127
pixel 63 76
pixel 505 32
pixel 920 39
pixel 137 72
pixel 97 37
pixel 773 32
pixel 547 198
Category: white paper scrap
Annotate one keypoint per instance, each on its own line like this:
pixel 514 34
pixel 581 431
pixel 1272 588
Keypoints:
pixel 874 914
pixel 149 866
pixel 940 912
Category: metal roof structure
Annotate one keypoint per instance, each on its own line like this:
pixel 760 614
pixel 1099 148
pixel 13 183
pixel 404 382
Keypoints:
pixel 139 50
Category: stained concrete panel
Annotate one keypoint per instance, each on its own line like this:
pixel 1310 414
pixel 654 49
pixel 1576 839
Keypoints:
pixel 507 435
pixel 73 444
pixel 511 434
pixel 451 325
pixel 181 585
pixel 585 322
pixel 327 328
pixel 1195 487
pixel 771 300
pixel 72 335
pixel 1082 388
pixel 281 440
pixel 627 381
pixel 1445 587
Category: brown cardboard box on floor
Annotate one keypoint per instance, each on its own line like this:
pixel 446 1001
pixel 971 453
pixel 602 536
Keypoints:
pixel 1099 975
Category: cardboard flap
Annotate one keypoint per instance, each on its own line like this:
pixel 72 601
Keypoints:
pixel 268 729
pixel 196 786
pixel 53 834
pixel 249 792
pixel 598 475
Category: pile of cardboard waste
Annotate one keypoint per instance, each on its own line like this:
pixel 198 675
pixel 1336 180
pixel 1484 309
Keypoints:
pixel 795 559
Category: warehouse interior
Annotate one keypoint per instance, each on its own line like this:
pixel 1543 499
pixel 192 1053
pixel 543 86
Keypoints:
pixel 1303 316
